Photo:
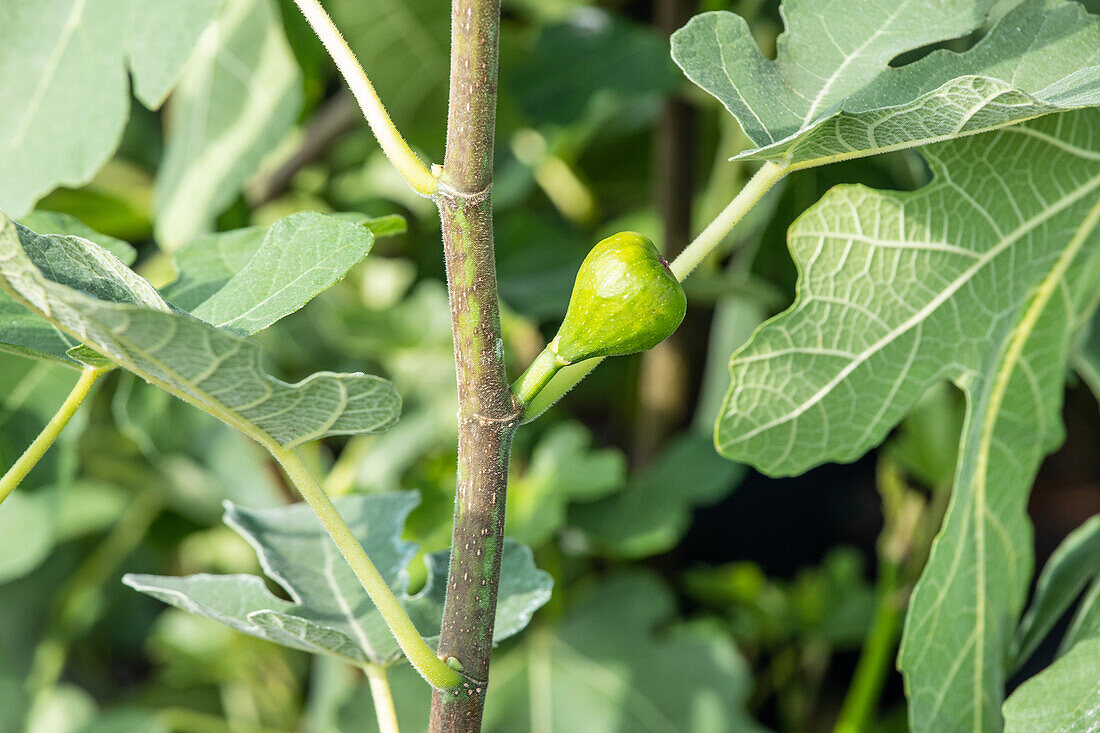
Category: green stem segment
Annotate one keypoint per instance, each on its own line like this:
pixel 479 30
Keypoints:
pixel 708 239
pixel 383 698
pixel 420 655
pixel 393 144
pixel 539 391
pixel 34 452
pixel 538 375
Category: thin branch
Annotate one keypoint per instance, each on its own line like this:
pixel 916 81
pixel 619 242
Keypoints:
pixel 708 239
pixel 34 452
pixel 487 416
pixel 393 145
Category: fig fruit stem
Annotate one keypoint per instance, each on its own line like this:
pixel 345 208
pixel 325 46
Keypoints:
pixel 541 371
pixel 34 452
pixel 411 168
pixel 553 387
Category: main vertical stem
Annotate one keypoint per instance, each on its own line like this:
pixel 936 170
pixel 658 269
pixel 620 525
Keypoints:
pixel 487 415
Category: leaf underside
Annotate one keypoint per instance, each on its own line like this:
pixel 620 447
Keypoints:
pixel 980 278
pixel 329 613
pixel 831 92
pixel 89 294
pixel 1065 697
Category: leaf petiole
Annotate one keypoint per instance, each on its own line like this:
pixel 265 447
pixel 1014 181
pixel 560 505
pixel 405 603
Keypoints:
pixel 411 168
pixel 34 452
pixel 433 669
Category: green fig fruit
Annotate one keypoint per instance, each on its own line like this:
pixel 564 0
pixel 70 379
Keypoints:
pixel 625 300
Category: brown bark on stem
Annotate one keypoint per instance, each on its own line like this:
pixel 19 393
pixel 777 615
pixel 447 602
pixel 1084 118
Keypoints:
pixel 487 414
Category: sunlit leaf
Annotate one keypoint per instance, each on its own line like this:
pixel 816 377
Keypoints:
pixel 831 92
pixel 92 296
pixel 64 100
pixel 238 95
pixel 978 278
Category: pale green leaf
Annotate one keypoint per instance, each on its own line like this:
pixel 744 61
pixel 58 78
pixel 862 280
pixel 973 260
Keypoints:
pixel 92 296
pixel 246 279
pixel 1069 570
pixel 329 613
pixel 300 256
pixel 160 39
pixel 831 92
pixel 1063 698
pixel 64 100
pixel 385 226
pixel 27 333
pixel 55 222
pixel 238 95
pixel 612 665
pixel 207 263
pixel 978 278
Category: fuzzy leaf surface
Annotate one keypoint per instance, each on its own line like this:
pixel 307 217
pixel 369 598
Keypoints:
pixel 831 92
pixel 329 613
pixel 299 257
pixel 28 334
pixel 978 278
pixel 89 294
pixel 270 272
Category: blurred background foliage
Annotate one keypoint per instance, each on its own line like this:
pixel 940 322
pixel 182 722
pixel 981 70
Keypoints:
pixel 691 593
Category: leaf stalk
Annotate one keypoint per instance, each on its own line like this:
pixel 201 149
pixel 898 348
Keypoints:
pixel 433 669
pixel 411 168
pixel 34 452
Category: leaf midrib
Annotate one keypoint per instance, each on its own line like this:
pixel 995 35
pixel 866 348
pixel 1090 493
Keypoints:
pixel 922 314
